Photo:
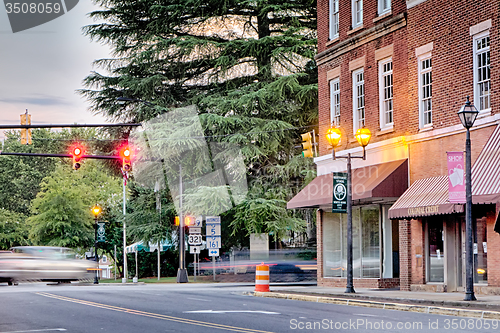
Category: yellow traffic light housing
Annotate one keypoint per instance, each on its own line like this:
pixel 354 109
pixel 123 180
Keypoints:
pixel 26 132
pixel 307 145
pixel 177 221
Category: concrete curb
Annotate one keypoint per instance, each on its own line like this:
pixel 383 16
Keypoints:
pixel 384 305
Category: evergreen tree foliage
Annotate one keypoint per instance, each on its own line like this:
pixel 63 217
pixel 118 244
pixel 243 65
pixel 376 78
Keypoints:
pixel 249 68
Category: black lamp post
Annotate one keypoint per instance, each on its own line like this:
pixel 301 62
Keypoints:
pixel 363 136
pixel 467 115
pixel 96 210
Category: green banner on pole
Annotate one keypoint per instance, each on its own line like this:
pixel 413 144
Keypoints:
pixel 339 200
pixel 101 232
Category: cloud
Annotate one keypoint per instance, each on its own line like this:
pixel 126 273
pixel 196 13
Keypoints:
pixel 44 100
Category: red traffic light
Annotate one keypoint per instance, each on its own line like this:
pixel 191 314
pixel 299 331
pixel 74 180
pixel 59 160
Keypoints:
pixel 126 155
pixel 77 153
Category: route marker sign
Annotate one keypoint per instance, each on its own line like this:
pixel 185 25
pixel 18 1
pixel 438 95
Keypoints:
pixel 213 229
pixel 213 252
pixel 195 239
pixel 214 242
pixel 194 230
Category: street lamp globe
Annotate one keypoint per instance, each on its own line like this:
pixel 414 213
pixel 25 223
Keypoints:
pixel 468 114
pixel 363 135
pixel 333 136
pixel 96 210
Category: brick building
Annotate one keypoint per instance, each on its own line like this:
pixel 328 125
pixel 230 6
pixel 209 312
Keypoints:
pixel 389 66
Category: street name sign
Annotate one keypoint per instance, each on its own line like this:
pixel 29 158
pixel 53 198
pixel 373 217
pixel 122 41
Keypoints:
pixel 339 200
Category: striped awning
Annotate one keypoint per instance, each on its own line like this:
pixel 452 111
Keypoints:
pixel 486 172
pixel 428 196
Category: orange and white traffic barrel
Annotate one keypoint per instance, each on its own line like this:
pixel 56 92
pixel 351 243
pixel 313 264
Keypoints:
pixel 262 278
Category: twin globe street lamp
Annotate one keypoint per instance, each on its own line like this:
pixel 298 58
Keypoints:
pixel 467 115
pixel 363 136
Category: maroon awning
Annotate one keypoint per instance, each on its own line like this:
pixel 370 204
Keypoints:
pixel 380 181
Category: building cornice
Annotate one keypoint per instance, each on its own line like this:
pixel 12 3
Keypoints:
pixel 366 36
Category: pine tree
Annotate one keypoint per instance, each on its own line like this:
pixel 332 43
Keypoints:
pixel 248 67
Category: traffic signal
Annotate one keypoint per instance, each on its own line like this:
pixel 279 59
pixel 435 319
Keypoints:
pixel 126 155
pixel 188 220
pixel 177 221
pixel 77 153
pixel 307 144
pixel 26 133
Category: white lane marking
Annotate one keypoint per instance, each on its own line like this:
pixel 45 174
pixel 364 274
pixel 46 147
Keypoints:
pixel 232 311
pixel 42 330
pixel 199 299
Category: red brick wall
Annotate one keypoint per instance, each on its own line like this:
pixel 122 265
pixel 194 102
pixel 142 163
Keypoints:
pixel 452 62
pixel 417 248
pixel 359 283
pixel 399 58
pixel 419 152
pixel 405 254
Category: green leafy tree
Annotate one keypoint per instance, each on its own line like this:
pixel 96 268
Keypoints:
pixel 248 67
pixel 61 210
pixel 13 229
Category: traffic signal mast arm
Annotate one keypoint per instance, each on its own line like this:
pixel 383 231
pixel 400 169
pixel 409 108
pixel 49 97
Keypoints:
pixel 102 157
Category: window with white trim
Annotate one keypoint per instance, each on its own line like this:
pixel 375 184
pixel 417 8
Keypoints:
pixel 384 7
pixel 358 91
pixel 357 13
pixel 425 90
pixel 335 102
pixel 385 93
pixel 334 19
pixel 482 72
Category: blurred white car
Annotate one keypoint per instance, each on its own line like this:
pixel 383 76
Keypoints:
pixel 43 263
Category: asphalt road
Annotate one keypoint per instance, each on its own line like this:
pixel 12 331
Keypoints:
pixel 206 308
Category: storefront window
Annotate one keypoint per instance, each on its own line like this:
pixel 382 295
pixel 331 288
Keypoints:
pixel 370 242
pixel 480 252
pixel 332 245
pixel 365 240
pixel 436 252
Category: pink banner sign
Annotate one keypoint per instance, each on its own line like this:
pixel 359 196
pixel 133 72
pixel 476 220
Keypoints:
pixel 456 177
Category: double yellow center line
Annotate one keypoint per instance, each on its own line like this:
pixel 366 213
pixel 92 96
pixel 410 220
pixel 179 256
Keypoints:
pixel 152 315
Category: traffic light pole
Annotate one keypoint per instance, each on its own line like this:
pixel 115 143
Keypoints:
pixel 96 278
pixel 124 279
pixel 182 276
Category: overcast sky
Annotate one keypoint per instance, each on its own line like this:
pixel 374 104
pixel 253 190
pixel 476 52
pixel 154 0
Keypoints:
pixel 41 69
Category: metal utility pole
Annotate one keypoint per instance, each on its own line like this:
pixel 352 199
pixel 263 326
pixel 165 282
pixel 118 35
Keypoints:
pixel 124 279
pixel 182 276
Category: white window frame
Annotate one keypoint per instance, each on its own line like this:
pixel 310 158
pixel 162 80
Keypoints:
pixel 421 72
pixel 356 98
pixel 334 19
pixel 382 8
pixel 335 101
pixel 355 22
pixel 384 123
pixel 477 97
